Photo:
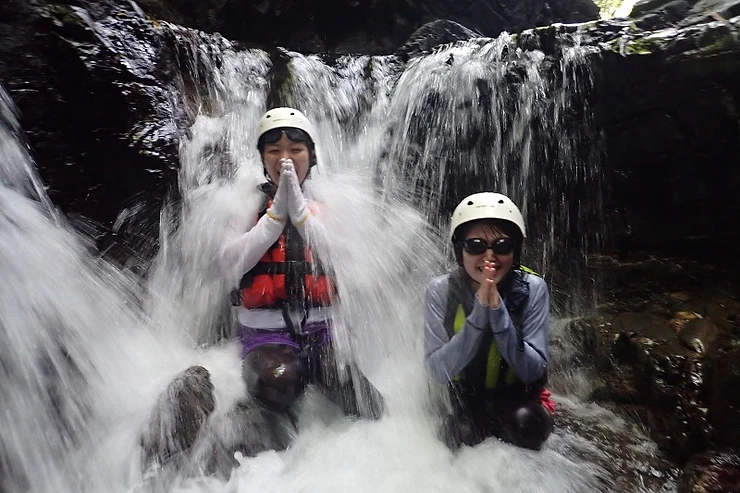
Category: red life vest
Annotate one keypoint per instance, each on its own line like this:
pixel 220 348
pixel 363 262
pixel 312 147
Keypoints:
pixel 265 285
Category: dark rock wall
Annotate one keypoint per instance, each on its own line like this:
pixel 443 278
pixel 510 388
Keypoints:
pixel 360 26
pixel 99 83
pixel 99 103
pixel 672 140
pixel 651 14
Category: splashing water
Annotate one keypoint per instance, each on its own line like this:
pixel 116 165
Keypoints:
pixel 484 115
pixel 395 148
pixel 81 363
pixel 58 315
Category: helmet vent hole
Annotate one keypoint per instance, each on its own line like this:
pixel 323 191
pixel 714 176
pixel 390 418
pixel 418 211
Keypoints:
pixel 268 116
pixel 500 201
pixel 470 202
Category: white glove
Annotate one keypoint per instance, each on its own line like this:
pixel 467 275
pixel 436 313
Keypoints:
pixel 279 208
pixel 297 204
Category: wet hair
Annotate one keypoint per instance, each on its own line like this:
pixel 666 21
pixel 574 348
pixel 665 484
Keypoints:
pixel 294 135
pixel 506 227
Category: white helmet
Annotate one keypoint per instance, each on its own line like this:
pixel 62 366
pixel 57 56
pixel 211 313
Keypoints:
pixel 285 117
pixel 486 205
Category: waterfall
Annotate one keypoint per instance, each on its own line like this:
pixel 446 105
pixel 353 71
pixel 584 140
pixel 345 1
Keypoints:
pixel 87 347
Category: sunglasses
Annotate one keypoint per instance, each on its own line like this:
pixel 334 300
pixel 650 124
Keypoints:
pixel 477 246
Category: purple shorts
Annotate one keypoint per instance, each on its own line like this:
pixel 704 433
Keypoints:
pixel 313 336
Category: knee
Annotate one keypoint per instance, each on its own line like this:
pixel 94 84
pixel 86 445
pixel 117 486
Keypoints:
pixel 531 424
pixel 275 375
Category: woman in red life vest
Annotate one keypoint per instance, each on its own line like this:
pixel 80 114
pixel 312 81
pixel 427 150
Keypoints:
pixel 487 329
pixel 282 294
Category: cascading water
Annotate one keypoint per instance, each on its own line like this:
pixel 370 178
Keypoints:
pixel 60 315
pixel 486 115
pixel 395 148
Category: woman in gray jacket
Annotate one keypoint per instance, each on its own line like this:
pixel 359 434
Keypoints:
pixel 487 329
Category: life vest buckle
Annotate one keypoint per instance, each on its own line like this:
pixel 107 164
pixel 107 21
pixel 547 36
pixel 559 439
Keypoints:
pixel 295 315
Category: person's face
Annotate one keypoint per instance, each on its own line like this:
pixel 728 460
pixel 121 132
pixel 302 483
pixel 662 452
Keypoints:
pixel 473 263
pixel 286 149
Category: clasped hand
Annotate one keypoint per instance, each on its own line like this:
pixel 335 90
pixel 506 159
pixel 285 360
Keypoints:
pixel 488 294
pixel 289 196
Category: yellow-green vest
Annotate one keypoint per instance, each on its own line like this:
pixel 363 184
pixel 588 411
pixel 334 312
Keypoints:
pixel 488 371
pixel 494 360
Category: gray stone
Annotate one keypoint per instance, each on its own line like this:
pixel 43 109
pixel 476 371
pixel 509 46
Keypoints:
pixel 178 416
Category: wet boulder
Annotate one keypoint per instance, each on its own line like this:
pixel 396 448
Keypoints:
pixel 248 429
pixel 643 346
pixel 434 34
pixel 178 416
pixel 184 435
pixel 653 373
pixel 712 472
pixel 96 90
pixel 653 14
pixel 723 387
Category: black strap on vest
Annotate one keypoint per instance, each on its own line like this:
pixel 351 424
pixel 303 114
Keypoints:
pixel 295 308
pixel 291 269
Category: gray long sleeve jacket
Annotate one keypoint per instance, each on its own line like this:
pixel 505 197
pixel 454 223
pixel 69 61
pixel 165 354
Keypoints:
pixel 446 357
